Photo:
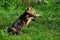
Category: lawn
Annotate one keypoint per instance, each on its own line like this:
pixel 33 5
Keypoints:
pixel 46 27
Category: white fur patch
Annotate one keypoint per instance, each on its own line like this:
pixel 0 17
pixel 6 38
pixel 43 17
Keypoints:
pixel 29 19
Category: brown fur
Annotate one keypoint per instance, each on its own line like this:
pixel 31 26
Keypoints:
pixel 22 21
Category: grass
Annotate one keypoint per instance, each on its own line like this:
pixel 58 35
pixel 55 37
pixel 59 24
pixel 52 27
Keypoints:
pixel 45 28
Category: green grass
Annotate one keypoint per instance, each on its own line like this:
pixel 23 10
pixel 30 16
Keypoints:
pixel 45 28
